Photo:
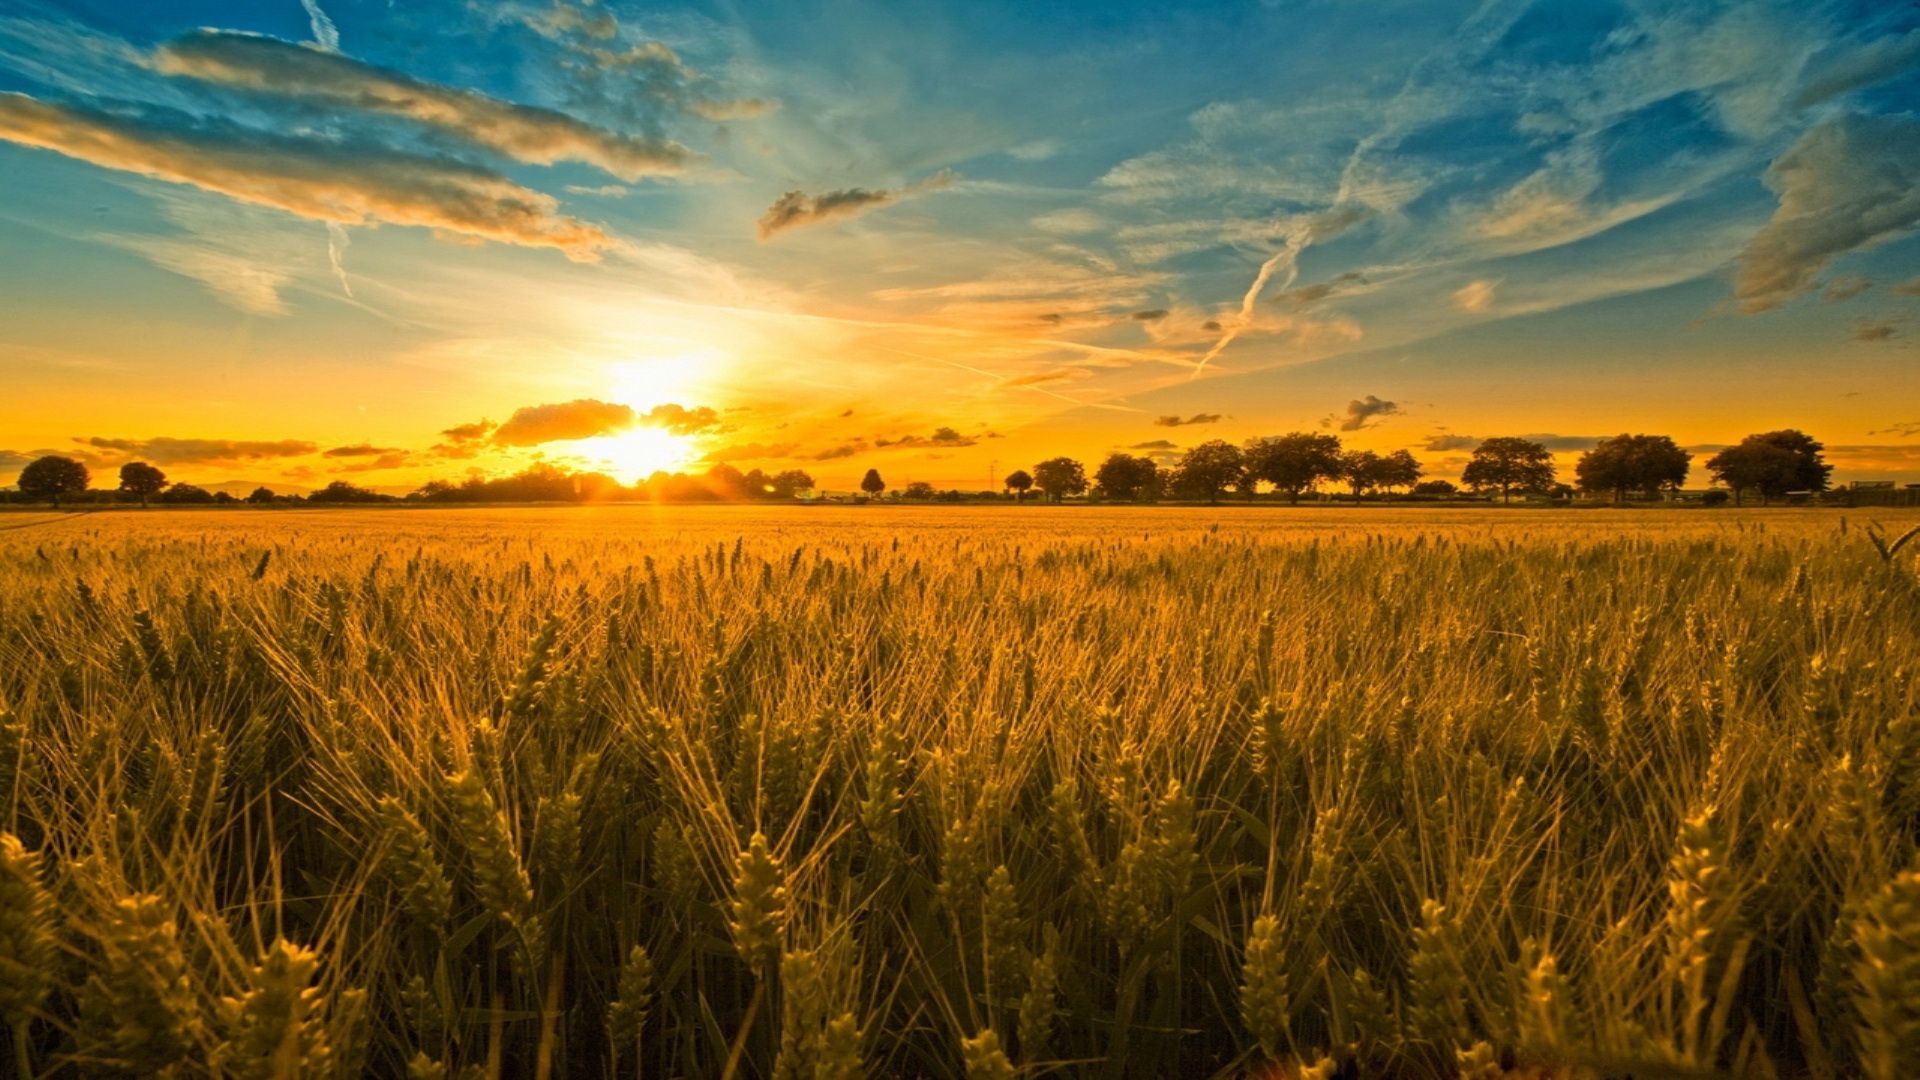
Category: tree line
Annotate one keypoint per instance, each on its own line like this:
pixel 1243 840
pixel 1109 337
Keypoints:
pixel 1767 465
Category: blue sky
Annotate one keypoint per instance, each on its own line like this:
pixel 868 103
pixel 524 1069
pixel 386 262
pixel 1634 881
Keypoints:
pixel 281 242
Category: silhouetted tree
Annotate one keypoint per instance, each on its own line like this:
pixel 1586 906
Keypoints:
pixel 1020 481
pixel 51 477
pixel 1361 470
pixel 261 496
pixel 791 482
pixel 1295 461
pixel 1755 466
pixel 186 495
pixel 1644 463
pixel 1439 488
pixel 341 491
pixel 1060 477
pixel 141 480
pixel 918 489
pixel 1772 463
pixel 1399 469
pixel 871 483
pixel 1509 464
pixel 1127 478
pixel 1209 469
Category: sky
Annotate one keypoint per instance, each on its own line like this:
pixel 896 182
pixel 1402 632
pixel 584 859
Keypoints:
pixel 290 241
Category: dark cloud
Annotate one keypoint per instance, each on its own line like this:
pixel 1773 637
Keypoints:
pixel 1565 442
pixel 1849 183
pixel 1845 287
pixel 1311 294
pixel 327 79
pixel 1907 288
pixel 1196 418
pixel 1439 444
pixel 1906 430
pixel 835 453
pixel 1875 330
pixel 360 450
pixel 585 418
pixel 942 438
pixel 1361 413
pixel 1155 444
pixel 467 433
pixel 170 451
pixel 344 183
pixel 1151 315
pixel 13 459
pixel 797 208
pixel 681 420
pixel 1211 325
pixel 391 459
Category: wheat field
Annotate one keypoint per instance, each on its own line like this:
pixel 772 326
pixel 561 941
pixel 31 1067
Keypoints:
pixel 959 792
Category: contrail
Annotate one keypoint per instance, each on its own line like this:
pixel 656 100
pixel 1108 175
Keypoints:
pixel 337 243
pixel 1298 236
pixel 325 34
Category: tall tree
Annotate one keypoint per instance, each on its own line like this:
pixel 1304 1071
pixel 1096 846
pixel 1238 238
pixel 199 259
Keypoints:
pixel 141 480
pixel 1361 470
pixel 51 477
pixel 1021 482
pixel 871 483
pixel 1509 464
pixel 1772 463
pixel 790 482
pixel 1127 478
pixel 1400 469
pixel 1757 465
pixel 1209 469
pixel 1645 463
pixel 1295 461
pixel 1060 477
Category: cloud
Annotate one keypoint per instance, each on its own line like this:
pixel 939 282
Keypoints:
pixel 835 453
pixel 467 433
pixel 1311 294
pixel 1905 430
pixel 1196 418
pixel 1155 444
pixel 1438 444
pixel 584 418
pixel 1038 378
pixel 360 450
pixel 942 438
pixel 525 133
pixel 1845 287
pixel 752 452
pixel 679 419
pixel 343 183
pixel 1361 412
pixel 1565 442
pixel 171 451
pixel 1907 288
pixel 1038 150
pixel 1150 315
pixel 1875 330
pixel 1475 296
pixel 797 208
pixel 1849 183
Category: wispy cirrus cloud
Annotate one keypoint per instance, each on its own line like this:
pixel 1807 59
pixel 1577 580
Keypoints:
pixel 348 184
pixel 1849 183
pixel 327 79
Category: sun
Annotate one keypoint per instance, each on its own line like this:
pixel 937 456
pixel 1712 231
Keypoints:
pixel 634 455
